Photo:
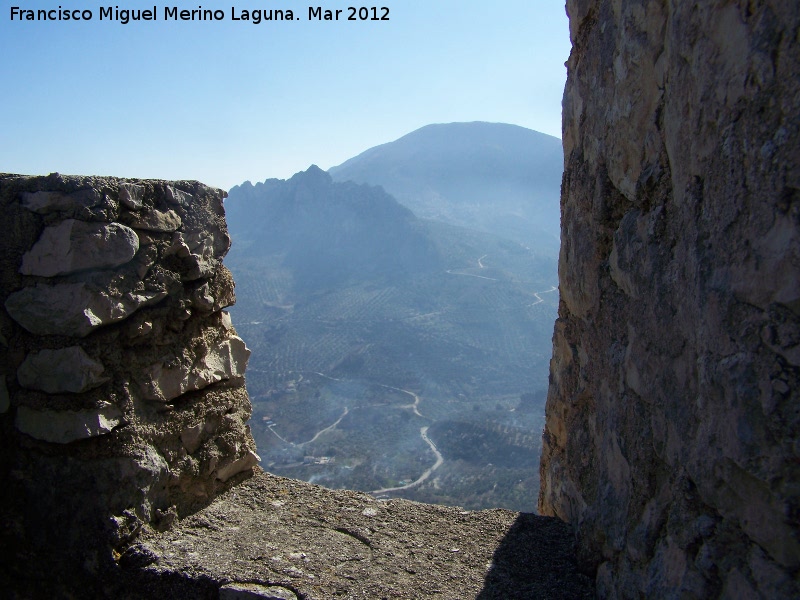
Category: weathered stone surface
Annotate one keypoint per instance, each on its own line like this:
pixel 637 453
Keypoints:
pixel 178 198
pixel 44 202
pixel 5 399
pixel 200 250
pixel 252 591
pixel 178 246
pixel 61 370
pixel 63 427
pixel 155 220
pixel 76 246
pixel 247 461
pixel 130 195
pixel 200 243
pixel 202 254
pixel 225 361
pixel 91 467
pixel 318 543
pixel 203 299
pixel 672 429
pixel 192 437
pixel 73 309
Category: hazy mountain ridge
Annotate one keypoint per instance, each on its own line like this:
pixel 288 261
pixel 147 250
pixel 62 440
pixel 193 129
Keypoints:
pixel 494 177
pixel 370 326
pixel 328 232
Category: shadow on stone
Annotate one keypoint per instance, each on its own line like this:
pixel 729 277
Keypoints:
pixel 536 559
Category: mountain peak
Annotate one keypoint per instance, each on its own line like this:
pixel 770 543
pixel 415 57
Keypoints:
pixel 494 177
pixel 312 174
pixel 329 231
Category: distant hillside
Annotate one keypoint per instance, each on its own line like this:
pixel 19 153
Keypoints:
pixel 494 177
pixel 328 232
pixel 368 325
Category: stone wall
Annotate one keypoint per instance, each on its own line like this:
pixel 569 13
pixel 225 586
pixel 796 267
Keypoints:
pixel 673 418
pixel 122 398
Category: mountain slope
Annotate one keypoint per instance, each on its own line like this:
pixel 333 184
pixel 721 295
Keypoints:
pixel 328 232
pixel 368 326
pixel 493 177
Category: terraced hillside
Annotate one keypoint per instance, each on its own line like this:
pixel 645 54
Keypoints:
pixel 359 381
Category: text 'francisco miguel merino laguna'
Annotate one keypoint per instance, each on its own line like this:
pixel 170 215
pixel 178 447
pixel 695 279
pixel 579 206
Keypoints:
pixel 175 13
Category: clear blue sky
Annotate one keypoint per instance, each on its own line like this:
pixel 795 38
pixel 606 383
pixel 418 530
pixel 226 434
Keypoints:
pixel 227 101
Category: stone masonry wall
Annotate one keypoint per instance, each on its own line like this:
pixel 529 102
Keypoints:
pixel 672 441
pixel 122 398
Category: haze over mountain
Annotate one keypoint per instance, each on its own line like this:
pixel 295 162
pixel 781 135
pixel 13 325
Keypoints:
pixel 392 353
pixel 328 232
pixel 493 177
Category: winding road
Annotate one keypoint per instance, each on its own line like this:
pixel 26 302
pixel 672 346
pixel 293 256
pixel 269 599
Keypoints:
pixel 412 394
pixel 480 266
pixel 313 439
pixel 539 299
pixel 328 428
pixel 325 376
pixel 453 272
pixel 278 435
pixel 423 432
pixel 439 460
pixel 414 407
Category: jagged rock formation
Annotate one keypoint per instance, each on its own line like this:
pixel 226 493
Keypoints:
pixel 328 233
pixel 122 399
pixel 673 433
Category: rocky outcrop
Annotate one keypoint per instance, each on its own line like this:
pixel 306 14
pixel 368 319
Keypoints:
pixel 672 441
pixel 122 398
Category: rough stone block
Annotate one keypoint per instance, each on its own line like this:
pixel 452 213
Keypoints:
pixel 243 463
pixel 45 202
pixel 130 195
pixel 74 246
pixel 192 437
pixel 225 361
pixel 113 464
pixel 155 220
pixel 63 427
pixel 73 309
pixel 61 370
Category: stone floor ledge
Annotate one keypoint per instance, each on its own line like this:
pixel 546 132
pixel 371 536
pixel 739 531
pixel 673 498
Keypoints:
pixel 272 537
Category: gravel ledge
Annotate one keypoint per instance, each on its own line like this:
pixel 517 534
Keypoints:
pixel 272 537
